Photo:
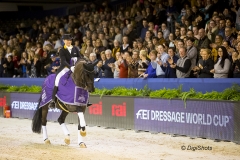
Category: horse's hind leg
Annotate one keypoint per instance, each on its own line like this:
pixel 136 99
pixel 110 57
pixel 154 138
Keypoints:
pixel 44 123
pixel 61 121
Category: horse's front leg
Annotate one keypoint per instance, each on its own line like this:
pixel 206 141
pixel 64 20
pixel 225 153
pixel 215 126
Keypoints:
pixel 61 121
pixel 81 127
pixel 44 123
pixel 82 123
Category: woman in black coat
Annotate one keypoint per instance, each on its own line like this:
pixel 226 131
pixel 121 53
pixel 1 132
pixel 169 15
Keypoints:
pixel 235 67
pixel 202 70
pixel 9 67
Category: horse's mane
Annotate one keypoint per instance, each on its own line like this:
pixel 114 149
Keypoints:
pixel 78 73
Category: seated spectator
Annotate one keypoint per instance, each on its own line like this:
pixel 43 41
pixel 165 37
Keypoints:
pixel 205 65
pixel 230 50
pixel 8 52
pixel 54 65
pixel 222 67
pixel 183 66
pixel 151 70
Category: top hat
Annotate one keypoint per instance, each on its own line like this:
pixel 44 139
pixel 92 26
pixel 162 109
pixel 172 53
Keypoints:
pixel 67 37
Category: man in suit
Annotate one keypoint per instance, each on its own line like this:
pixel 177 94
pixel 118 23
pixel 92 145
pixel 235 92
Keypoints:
pixel 66 54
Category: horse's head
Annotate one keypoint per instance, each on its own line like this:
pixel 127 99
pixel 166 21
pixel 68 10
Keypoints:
pixel 84 75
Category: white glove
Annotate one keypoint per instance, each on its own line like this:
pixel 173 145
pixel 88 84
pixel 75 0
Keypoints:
pixel 72 68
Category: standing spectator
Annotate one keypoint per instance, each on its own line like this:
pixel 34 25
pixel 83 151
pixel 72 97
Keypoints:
pixel 98 48
pixel 9 67
pixel 171 16
pixel 183 66
pixel 115 67
pixel 235 68
pixel 88 49
pixel 125 45
pixel 205 65
pixel 109 60
pixel 36 67
pixel 123 65
pixel 23 65
pixel 143 63
pixel 171 72
pixel 133 65
pixel 151 70
pixel 162 58
pixel 191 51
pixel 222 67
pixel 116 48
pixel 2 62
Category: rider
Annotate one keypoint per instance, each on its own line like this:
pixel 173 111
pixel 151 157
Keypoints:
pixel 67 53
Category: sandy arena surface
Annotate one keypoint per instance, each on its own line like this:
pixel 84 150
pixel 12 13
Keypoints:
pixel 17 142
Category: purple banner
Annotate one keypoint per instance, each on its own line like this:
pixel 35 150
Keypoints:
pixel 24 105
pixel 207 119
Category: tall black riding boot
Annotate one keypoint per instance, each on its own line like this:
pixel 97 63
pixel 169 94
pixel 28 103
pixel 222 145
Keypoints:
pixel 52 102
pixel 89 104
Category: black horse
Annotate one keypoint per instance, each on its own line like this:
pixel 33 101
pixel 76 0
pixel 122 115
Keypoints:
pixel 83 78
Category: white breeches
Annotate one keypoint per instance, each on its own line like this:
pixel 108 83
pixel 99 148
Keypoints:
pixel 60 74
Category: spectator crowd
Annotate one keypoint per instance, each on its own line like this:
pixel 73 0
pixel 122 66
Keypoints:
pixel 148 39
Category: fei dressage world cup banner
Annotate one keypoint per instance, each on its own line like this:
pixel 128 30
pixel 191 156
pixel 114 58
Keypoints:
pixel 208 119
pixel 24 105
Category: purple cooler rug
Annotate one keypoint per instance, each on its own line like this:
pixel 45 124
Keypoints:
pixel 67 93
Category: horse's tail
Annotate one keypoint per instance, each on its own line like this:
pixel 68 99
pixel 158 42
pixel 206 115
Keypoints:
pixel 37 119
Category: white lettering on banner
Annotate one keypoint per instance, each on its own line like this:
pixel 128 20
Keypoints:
pixel 143 114
pixel 29 106
pixel 182 117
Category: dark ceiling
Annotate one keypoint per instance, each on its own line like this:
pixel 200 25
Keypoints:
pixel 44 1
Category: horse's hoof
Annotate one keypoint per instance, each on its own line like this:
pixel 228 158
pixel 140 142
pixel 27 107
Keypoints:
pixel 83 133
pixel 67 141
pixel 47 141
pixel 82 145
